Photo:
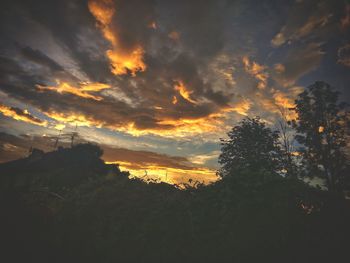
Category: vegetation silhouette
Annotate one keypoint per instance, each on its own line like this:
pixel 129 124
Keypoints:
pixel 323 129
pixel 69 206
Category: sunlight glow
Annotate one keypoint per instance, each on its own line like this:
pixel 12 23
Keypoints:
pixel 169 175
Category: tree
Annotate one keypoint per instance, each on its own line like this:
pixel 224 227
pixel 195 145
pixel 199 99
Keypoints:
pixel 287 139
pixel 251 146
pixel 322 126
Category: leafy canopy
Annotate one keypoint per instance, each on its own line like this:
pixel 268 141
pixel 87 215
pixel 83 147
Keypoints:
pixel 250 146
pixel 322 127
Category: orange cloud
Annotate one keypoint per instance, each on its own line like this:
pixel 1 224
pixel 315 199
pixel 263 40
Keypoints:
pixel 281 102
pixel 184 92
pixel 122 61
pixel 279 68
pixel 242 107
pixel 73 118
pixel 174 101
pixel 257 71
pixel 21 115
pixel 153 25
pixel 345 21
pixel 344 55
pixel 83 91
pixel 178 128
pixel 174 35
pixel 289 32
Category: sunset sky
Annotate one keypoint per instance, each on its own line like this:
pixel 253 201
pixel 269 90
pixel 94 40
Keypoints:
pixel 157 83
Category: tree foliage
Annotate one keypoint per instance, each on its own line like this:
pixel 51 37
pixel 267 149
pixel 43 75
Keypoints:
pixel 322 126
pixel 250 146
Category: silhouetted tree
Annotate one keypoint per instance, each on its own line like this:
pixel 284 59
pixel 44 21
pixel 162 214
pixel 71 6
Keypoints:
pixel 322 124
pixel 287 139
pixel 251 146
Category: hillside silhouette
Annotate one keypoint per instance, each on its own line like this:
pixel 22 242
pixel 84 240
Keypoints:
pixel 63 168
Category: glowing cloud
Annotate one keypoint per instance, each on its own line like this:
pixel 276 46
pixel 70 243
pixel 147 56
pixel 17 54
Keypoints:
pixel 60 126
pixel 83 91
pixel 153 25
pixel 122 61
pixel 180 128
pixel 242 107
pixel 281 103
pixel 21 115
pixel 257 71
pixel 181 88
pixel 174 35
pixel 174 101
pixel 73 118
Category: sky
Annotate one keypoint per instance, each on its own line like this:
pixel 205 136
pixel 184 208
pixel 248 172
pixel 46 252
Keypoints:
pixel 157 83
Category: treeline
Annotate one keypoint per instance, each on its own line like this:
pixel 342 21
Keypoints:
pixel 311 145
pixel 261 210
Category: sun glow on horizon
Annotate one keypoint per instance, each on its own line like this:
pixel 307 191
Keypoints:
pixel 169 175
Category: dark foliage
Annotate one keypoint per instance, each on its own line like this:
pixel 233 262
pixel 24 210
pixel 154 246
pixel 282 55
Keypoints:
pixel 107 217
pixel 251 146
pixel 323 129
pixel 69 206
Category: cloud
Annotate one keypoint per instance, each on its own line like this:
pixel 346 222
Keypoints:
pixel 180 73
pixel 345 21
pixel 306 19
pixel 299 61
pixel 123 58
pixel 40 58
pixel 256 70
pixel 184 92
pixel 21 115
pixel 84 91
pixel 96 30
pixel 344 55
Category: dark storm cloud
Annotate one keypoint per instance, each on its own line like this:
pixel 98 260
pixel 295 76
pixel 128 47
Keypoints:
pixel 132 22
pixel 201 26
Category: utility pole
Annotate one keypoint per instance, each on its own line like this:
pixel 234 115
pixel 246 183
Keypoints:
pixel 73 135
pixel 57 139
